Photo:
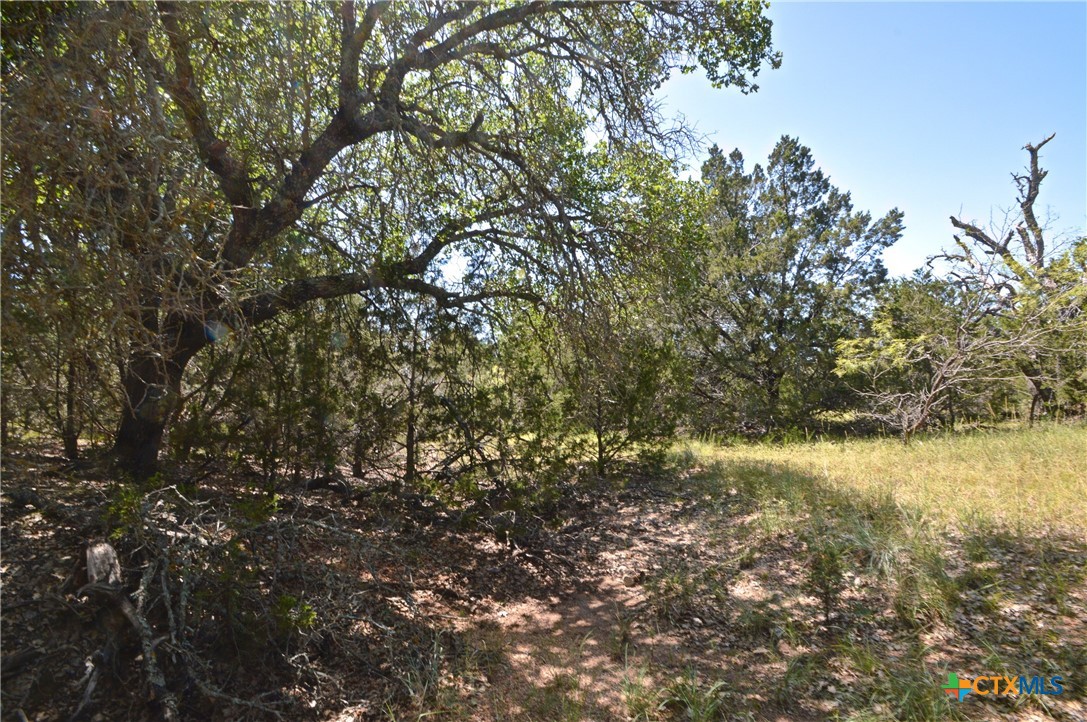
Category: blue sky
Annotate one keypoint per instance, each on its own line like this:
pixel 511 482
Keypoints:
pixel 921 106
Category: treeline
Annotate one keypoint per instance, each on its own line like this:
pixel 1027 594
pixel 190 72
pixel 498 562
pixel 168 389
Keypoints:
pixel 300 239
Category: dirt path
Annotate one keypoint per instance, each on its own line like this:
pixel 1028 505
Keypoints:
pixel 607 649
pixel 574 651
pixel 669 599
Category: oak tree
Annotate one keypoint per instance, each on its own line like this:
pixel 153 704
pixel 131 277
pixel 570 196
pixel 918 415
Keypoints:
pixel 180 150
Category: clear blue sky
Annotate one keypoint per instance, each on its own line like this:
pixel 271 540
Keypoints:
pixel 921 106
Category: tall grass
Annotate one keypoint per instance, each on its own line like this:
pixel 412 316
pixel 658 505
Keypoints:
pixel 1012 503
pixel 1026 478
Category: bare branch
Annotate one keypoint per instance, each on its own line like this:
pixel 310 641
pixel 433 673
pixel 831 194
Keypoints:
pixel 1028 193
pixel 982 237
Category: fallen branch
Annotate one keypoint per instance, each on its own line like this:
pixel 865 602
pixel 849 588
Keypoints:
pixel 91 680
pixel 102 564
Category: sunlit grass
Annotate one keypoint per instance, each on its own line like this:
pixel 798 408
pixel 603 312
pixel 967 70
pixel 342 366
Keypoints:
pixel 1025 478
pixel 955 524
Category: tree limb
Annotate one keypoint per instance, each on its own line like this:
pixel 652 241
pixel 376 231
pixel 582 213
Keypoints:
pixel 185 89
pixel 1028 193
pixel 294 294
pixel 980 236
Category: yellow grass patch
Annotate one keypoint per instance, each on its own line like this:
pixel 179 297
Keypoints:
pixel 1022 477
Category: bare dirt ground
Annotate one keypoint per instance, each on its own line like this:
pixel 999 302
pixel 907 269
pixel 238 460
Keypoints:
pixel 678 617
pixel 648 599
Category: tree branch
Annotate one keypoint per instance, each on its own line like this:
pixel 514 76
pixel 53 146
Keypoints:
pixel 980 236
pixel 184 87
pixel 351 43
pixel 1028 193
pixel 295 294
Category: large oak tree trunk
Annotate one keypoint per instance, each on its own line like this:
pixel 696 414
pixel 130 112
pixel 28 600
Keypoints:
pixel 151 395
pixel 152 390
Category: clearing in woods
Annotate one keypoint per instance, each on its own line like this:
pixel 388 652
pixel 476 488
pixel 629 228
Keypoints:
pixel 810 581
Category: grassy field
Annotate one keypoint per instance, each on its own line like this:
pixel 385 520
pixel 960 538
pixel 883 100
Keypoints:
pixel 986 525
pixel 821 581
pixel 1024 478
pixel 814 580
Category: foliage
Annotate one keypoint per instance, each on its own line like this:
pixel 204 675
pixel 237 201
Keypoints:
pixel 291 615
pixel 207 168
pixel 942 345
pixel 789 269
pixel 624 388
pixel 932 351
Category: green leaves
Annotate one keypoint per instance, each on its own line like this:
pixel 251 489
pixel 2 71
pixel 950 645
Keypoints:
pixel 222 163
pixel 790 269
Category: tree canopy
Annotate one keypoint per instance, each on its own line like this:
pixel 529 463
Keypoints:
pixel 790 268
pixel 220 164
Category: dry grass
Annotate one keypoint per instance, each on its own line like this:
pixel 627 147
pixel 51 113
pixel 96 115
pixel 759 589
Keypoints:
pixel 956 526
pixel 1017 477
pixel 809 581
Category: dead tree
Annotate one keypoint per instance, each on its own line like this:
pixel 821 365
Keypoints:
pixel 1007 268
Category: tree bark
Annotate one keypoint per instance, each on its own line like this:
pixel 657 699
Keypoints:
pixel 150 392
pixel 152 386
